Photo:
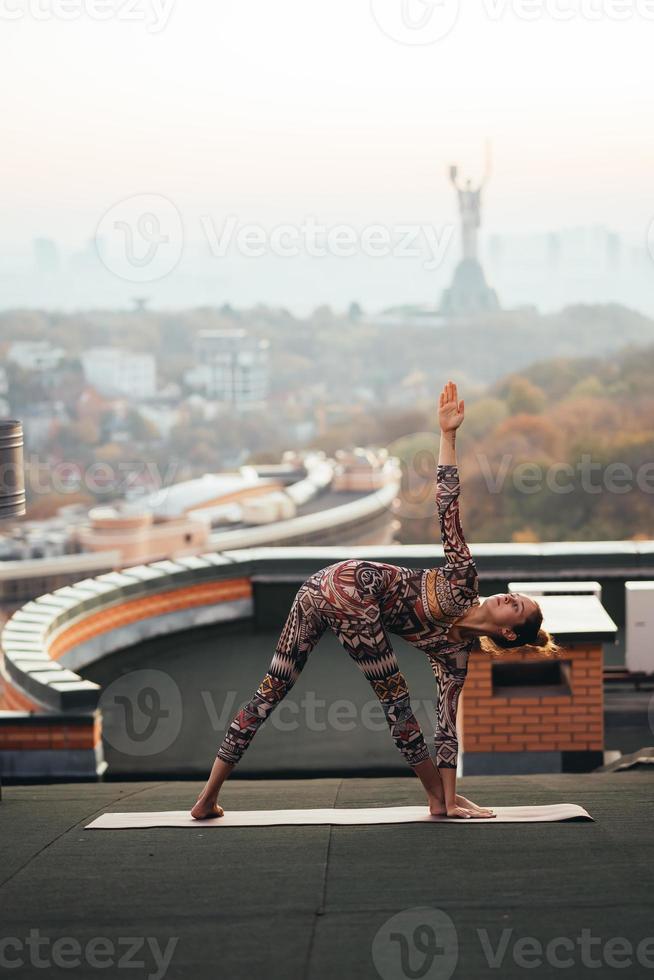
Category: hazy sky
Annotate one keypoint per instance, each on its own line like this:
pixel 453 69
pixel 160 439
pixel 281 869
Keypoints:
pixel 272 110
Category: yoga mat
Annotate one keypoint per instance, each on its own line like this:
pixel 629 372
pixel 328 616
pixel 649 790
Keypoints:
pixel 360 815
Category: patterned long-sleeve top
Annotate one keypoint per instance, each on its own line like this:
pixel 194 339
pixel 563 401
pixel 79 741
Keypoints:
pixel 420 605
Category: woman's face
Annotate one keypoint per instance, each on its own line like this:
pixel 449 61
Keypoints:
pixel 510 609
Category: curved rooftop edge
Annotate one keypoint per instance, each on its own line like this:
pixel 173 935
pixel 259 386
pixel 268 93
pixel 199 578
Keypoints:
pixel 47 640
pixel 340 522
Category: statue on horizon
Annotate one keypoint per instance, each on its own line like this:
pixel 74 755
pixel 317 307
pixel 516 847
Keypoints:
pixel 469 293
pixel 470 211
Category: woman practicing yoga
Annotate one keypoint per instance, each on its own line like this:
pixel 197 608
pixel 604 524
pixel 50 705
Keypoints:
pixel 437 610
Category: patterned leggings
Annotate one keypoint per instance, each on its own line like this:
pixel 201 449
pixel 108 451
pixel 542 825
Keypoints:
pixel 355 618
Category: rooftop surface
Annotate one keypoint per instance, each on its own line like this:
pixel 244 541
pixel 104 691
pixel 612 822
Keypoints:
pixel 319 902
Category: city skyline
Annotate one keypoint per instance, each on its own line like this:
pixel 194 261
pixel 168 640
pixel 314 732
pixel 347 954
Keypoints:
pixel 225 112
pixel 547 270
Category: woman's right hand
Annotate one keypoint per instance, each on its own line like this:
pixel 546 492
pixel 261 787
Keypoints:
pixel 450 409
pixel 459 811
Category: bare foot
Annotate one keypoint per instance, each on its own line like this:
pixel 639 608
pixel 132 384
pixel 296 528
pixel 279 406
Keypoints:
pixel 204 809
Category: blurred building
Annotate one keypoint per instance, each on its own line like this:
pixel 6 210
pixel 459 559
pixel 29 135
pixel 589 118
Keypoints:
pixel 41 421
pixel 593 251
pixel 137 536
pixel 359 470
pixel 35 355
pixel 46 257
pixel 407 315
pixel 5 410
pixel 231 367
pixel 120 372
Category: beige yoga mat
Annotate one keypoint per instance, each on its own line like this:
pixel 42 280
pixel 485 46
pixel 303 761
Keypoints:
pixel 360 815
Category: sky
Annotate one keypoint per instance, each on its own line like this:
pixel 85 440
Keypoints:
pixel 348 111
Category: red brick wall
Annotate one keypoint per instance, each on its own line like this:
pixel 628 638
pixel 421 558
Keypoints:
pixel 54 736
pixel 490 723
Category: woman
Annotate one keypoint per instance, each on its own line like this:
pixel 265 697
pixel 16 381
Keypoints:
pixel 437 610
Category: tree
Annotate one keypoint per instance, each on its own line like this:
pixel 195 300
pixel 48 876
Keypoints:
pixel 523 396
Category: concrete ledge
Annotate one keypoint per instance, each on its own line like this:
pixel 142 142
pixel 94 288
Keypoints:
pixel 510 763
pixel 43 764
pixel 46 640
pixel 524 763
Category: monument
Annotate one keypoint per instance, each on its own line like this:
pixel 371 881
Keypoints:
pixel 469 292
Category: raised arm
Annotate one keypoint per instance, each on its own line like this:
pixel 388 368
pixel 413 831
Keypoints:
pixel 447 501
pixel 448 487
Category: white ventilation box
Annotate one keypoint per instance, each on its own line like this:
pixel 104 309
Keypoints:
pixel 639 616
pixel 557 588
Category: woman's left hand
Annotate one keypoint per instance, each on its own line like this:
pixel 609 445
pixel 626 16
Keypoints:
pixel 469 805
pixel 450 409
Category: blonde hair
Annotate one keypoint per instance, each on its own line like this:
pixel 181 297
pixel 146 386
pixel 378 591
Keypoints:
pixel 544 645
pixel 530 637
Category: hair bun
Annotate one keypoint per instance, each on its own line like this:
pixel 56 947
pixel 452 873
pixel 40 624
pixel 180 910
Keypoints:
pixel 542 639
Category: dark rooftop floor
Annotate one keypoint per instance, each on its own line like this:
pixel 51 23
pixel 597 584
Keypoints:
pixel 315 902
